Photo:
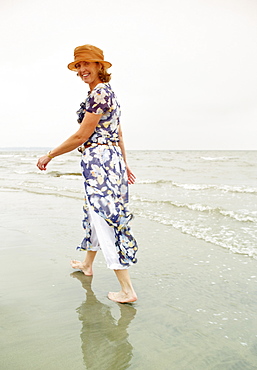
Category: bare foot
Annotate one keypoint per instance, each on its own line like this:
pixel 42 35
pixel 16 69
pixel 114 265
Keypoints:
pixel 122 297
pixel 87 270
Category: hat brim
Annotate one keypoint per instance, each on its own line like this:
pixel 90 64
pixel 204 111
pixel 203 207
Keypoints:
pixel 72 67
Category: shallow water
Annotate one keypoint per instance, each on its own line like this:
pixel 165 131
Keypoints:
pixel 208 195
pixel 197 299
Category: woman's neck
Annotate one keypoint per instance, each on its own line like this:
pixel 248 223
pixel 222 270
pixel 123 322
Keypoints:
pixel 93 84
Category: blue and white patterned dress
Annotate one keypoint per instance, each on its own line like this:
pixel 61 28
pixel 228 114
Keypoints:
pixel 105 175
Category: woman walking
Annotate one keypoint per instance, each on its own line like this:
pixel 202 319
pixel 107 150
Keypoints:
pixel 105 171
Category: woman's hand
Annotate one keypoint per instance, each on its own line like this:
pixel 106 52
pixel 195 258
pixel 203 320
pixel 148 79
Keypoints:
pixel 131 177
pixel 43 162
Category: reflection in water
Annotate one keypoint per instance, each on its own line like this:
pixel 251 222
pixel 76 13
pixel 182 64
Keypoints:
pixel 104 340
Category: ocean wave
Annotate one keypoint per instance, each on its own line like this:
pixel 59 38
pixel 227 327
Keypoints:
pixel 49 191
pixel 237 189
pixel 150 181
pixel 223 188
pixel 10 155
pixel 224 238
pixel 3 189
pixel 218 159
pixel 194 186
pixel 24 172
pixel 241 215
pixel 66 174
pixel 197 187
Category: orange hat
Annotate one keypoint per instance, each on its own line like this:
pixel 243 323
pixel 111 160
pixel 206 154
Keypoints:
pixel 88 53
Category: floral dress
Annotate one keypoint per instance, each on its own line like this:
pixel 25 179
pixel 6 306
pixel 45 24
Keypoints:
pixel 105 175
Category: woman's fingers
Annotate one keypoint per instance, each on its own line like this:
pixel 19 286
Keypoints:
pixel 42 162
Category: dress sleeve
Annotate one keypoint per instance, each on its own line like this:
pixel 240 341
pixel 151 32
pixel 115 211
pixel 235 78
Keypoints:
pixel 98 102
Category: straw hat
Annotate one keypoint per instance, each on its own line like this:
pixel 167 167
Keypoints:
pixel 88 53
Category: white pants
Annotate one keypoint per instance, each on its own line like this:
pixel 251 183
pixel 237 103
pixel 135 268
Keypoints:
pixel 103 237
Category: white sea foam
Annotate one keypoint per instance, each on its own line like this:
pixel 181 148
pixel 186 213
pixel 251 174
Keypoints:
pixel 222 238
pixel 237 189
pixel 71 177
pixel 224 188
pixel 194 186
pixel 244 216
pixel 24 172
pixel 199 187
pixel 50 189
pixel 151 181
pixel 9 155
pixel 218 159
pixel 240 215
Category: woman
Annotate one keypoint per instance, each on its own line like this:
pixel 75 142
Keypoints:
pixel 106 174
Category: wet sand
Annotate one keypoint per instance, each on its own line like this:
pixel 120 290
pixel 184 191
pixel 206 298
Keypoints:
pixel 196 309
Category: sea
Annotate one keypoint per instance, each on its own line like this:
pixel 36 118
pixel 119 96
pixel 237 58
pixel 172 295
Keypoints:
pixel 195 221
pixel 210 195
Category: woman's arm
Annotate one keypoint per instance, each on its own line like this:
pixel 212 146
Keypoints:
pixel 131 176
pixel 86 129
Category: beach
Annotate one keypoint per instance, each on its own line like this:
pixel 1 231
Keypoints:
pixel 197 298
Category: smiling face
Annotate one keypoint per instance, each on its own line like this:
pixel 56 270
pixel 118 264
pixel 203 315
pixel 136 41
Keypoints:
pixel 88 72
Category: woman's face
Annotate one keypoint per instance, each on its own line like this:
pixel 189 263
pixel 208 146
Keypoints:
pixel 88 72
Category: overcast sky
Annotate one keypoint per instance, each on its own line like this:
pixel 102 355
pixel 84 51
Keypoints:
pixel 183 70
